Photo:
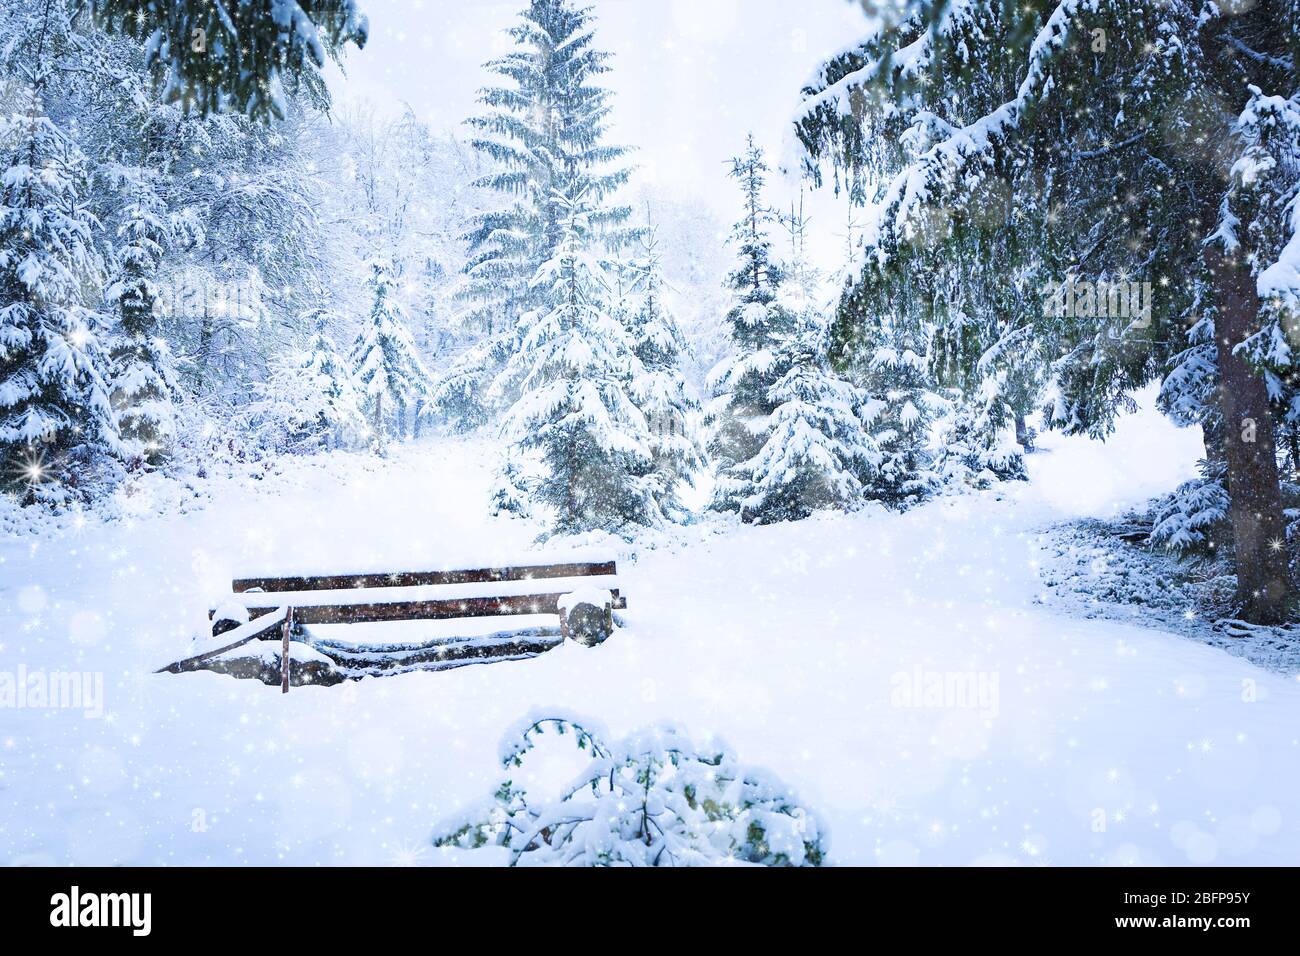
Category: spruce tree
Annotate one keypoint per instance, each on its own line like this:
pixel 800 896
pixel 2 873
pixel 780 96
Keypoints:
pixel 386 365
pixel 976 446
pixel 759 326
pixel 966 273
pixel 901 415
pixel 819 454
pixel 336 400
pixel 141 381
pixel 53 397
pixel 213 57
pixel 660 390
pixel 574 414
pixel 311 401
pixel 1144 137
pixel 544 133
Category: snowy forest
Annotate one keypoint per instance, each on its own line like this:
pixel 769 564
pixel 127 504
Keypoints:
pixel 941 411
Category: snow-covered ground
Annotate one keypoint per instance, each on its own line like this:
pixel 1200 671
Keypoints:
pixel 896 670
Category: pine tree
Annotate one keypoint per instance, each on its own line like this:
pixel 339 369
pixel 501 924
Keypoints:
pixel 337 401
pixel 1133 132
pixel 461 395
pixel 574 413
pixel 976 446
pixel 544 132
pixel 53 397
pixel 901 416
pixel 964 272
pixel 216 56
pixel 310 402
pixel 819 454
pixel 385 362
pixel 661 391
pixel 141 381
pixel 759 325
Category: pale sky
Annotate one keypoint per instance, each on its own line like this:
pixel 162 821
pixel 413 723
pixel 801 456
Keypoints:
pixel 690 78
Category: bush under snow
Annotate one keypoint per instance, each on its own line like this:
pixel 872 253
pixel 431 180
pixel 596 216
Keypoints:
pixel 651 799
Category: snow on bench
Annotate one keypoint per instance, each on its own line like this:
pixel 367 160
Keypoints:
pixel 583 595
pixel 360 605
pixel 235 637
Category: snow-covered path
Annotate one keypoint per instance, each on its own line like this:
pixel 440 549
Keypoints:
pixel 1083 741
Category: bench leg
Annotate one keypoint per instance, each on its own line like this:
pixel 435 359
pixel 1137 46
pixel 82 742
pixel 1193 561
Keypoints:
pixel 285 630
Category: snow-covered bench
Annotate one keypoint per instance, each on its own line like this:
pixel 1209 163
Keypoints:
pixel 583 596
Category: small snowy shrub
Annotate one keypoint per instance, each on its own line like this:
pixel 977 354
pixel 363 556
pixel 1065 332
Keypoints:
pixel 652 799
pixel 1194 519
pixel 975 450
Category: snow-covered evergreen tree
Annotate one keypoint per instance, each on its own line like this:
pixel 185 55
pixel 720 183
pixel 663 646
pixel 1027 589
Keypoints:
pixel 819 453
pixel 311 401
pixel 142 380
pixel 385 362
pixel 544 132
pixel 53 395
pixel 661 390
pixel 981 441
pixel 975 449
pixel 1148 141
pixel 574 414
pixel 901 417
pixel 742 405
pixel 340 408
pixel 213 57
pixel 462 395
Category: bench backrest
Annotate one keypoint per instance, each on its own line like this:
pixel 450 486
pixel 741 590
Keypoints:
pixel 421 578
pixel 374 598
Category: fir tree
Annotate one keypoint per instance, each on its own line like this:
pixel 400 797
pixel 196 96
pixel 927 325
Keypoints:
pixel 142 382
pixel 901 415
pixel 53 396
pixel 1143 136
pixel 544 132
pixel 338 401
pixel 661 391
pixel 759 325
pixel 818 454
pixel 461 395
pixel 385 363
pixel 311 401
pixel 653 799
pixel 212 57
pixel 976 446
pixel 574 413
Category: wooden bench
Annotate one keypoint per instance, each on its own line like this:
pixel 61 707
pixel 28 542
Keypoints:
pixel 583 596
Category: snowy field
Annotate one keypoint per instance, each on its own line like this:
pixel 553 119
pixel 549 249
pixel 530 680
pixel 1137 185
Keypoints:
pixel 1085 741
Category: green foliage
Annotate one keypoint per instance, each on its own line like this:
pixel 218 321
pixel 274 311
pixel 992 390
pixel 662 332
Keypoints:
pixel 215 57
pixel 543 135
pixel 653 799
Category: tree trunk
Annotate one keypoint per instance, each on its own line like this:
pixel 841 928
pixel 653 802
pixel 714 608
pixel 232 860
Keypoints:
pixel 1022 432
pixel 1259 532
